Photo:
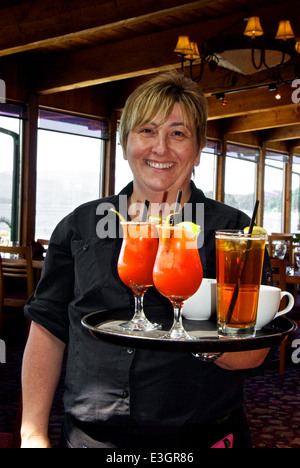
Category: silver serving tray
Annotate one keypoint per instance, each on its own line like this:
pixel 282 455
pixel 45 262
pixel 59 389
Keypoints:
pixel 103 325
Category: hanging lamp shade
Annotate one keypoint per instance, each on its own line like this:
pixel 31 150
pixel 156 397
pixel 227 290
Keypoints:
pixel 297 47
pixel 183 46
pixel 253 28
pixel 195 54
pixel 285 31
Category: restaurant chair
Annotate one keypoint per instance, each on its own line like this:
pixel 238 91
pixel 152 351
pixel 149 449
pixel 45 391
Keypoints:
pixel 17 283
pixel 279 280
pixel 283 237
pixel 279 272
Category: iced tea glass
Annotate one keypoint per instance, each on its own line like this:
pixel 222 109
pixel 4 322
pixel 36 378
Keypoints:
pixel 135 267
pixel 177 272
pixel 239 262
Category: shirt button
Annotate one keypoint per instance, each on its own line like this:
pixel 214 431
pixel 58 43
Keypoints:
pixel 130 351
pixel 125 393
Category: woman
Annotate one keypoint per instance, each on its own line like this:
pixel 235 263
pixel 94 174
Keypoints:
pixel 119 397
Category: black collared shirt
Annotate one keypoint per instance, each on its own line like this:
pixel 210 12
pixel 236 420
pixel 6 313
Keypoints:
pixel 111 385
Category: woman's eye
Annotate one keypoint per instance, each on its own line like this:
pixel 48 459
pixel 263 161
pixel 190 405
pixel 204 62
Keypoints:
pixel 146 131
pixel 178 133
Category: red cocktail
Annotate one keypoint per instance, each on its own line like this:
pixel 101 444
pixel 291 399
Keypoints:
pixel 135 267
pixel 177 272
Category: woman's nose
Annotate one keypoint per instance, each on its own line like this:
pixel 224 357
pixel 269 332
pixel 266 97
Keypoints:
pixel 160 146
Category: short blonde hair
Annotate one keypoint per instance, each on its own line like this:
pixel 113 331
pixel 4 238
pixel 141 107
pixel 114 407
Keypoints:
pixel 157 97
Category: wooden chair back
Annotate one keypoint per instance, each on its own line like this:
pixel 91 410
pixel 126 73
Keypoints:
pixel 279 272
pixel 279 279
pixel 16 263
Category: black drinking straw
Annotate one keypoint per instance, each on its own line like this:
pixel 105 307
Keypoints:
pixel 145 212
pixel 177 207
pixel 253 216
pixel 242 268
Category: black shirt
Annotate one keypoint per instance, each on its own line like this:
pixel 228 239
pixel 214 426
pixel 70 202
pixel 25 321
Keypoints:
pixel 109 385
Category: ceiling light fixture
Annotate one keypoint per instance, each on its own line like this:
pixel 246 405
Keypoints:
pixel 228 51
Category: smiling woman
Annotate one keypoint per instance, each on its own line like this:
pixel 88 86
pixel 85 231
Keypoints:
pixel 162 133
pixel 136 402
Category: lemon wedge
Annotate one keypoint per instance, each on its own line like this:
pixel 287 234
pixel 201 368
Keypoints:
pixel 155 220
pixel 256 230
pixel 192 228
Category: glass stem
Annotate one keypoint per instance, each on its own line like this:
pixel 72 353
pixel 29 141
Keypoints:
pixel 177 324
pixel 139 307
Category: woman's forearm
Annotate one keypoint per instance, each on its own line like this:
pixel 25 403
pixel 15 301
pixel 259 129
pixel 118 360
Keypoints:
pixel 41 370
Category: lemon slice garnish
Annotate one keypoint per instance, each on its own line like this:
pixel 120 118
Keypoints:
pixel 155 220
pixel 192 228
pixel 256 230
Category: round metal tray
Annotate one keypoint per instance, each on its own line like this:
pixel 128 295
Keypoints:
pixel 103 325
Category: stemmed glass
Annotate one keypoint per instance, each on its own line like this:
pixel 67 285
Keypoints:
pixel 280 249
pixel 135 266
pixel 177 272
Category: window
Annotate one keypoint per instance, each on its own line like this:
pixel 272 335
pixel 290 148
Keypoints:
pixel 205 173
pixel 123 174
pixel 274 191
pixel 69 166
pixel 10 124
pixel 295 208
pixel 240 177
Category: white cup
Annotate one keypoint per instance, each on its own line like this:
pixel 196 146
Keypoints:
pixel 268 305
pixel 203 303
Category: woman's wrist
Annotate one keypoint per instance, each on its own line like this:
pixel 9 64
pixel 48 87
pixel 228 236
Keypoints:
pixel 34 440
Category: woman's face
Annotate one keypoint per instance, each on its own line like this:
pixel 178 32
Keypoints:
pixel 162 155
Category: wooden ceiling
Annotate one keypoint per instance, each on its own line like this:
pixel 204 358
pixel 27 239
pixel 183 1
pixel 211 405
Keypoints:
pixel 63 45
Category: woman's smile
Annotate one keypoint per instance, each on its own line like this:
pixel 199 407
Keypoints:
pixel 160 165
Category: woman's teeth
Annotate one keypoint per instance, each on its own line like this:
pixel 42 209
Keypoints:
pixel 160 165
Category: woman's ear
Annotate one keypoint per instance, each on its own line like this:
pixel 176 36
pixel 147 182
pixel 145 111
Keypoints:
pixel 197 159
